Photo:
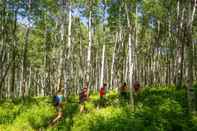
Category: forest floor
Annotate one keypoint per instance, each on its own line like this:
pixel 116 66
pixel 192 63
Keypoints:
pixel 156 109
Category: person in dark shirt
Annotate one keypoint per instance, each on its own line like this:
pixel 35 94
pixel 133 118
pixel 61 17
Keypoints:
pixel 83 96
pixel 124 91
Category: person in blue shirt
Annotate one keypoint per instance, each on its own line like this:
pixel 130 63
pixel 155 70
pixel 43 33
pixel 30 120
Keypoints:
pixel 58 103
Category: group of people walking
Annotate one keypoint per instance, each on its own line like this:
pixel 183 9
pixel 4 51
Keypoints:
pixel 124 94
pixel 84 96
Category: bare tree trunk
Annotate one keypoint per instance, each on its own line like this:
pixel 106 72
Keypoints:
pixel 130 53
pixel 113 60
pixel 180 46
pixel 188 37
pixel 13 68
pixel 103 52
pixel 126 69
pixel 24 68
pixel 60 70
pixel 89 46
pixel 61 77
pixel 102 66
pixel 69 30
pixel 68 77
pixel 136 42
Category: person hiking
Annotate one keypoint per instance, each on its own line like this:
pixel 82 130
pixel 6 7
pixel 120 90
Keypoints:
pixel 83 97
pixel 124 91
pixel 58 103
pixel 102 93
pixel 136 87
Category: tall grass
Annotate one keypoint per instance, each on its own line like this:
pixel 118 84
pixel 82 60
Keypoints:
pixel 156 109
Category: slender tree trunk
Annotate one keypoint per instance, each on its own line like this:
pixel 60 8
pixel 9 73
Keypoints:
pixel 131 54
pixel 180 46
pixel 61 73
pixel 89 46
pixel 68 64
pixel 188 40
pixel 113 60
pixel 102 66
pixel 126 69
pixel 24 69
pixel 13 70
pixel 69 30
pixel 136 66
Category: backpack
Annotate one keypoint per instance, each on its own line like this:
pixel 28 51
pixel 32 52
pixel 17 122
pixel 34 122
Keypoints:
pixel 123 88
pixel 136 86
pixel 57 100
pixel 83 95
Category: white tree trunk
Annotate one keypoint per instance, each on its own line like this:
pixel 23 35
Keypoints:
pixel 131 53
pixel 193 12
pixel 69 31
pixel 136 43
pixel 89 47
pixel 59 75
pixel 102 66
pixel 29 81
pixel 113 60
pixel 130 69
pixel 126 69
pixel 68 65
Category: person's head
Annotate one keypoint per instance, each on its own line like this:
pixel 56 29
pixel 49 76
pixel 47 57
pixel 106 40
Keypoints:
pixel 60 91
pixel 104 84
pixel 85 89
pixel 124 84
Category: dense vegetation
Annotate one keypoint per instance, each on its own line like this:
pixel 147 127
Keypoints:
pixel 66 45
pixel 156 109
pixel 51 44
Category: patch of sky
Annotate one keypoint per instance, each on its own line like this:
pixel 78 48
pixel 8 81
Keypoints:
pixel 23 18
pixel 77 12
pixel 152 22
pixel 139 10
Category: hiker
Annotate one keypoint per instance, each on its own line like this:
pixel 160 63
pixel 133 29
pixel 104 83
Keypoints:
pixel 58 103
pixel 102 93
pixel 83 97
pixel 136 87
pixel 124 91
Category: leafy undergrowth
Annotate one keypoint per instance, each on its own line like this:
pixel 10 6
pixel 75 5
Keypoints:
pixel 156 109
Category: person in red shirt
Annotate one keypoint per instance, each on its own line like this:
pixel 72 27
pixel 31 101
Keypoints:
pixel 102 93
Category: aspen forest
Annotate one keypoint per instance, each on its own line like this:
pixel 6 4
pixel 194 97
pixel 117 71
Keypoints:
pixel 98 65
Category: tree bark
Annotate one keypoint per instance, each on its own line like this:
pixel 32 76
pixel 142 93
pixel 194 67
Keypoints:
pixel 102 66
pixel 14 53
pixel 189 45
pixel 180 46
pixel 23 89
pixel 89 46
pixel 130 53
pixel 113 60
